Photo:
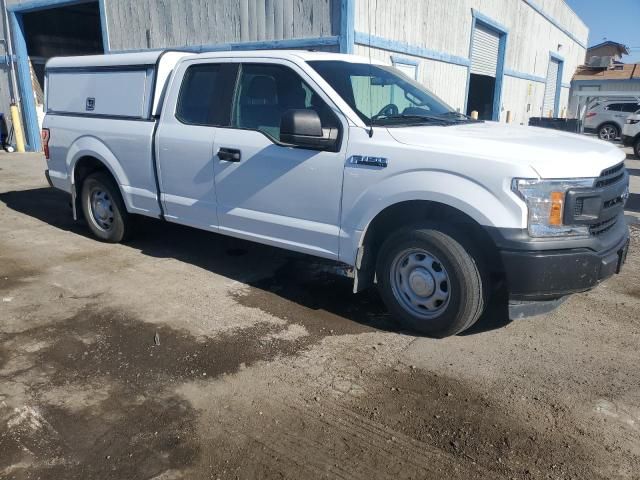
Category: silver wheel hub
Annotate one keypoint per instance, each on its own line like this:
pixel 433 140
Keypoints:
pixel 608 133
pixel 102 209
pixel 420 283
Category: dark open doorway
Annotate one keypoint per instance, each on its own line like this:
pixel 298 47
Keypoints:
pixel 482 90
pixel 62 31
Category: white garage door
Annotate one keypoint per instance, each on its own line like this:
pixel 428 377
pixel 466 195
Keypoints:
pixel 551 88
pixel 484 55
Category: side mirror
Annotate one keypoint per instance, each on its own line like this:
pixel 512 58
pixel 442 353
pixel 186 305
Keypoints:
pixel 303 128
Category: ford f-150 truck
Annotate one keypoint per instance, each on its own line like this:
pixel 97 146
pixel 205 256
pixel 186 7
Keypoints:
pixel 342 158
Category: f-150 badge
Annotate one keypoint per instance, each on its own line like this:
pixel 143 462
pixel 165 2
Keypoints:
pixel 380 162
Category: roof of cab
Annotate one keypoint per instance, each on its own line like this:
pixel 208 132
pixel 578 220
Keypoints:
pixel 151 57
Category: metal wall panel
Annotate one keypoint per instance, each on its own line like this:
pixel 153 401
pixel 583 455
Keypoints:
pixel 442 26
pixel 174 23
pixel 484 57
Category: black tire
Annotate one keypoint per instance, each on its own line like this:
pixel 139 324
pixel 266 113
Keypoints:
pixel 115 216
pixel 608 132
pixel 636 148
pixel 466 287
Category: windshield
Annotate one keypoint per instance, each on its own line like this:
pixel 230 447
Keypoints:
pixel 383 95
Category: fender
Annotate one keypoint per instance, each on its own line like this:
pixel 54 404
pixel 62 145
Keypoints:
pixel 89 146
pixel 470 198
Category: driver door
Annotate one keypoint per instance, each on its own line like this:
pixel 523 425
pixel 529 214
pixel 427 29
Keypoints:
pixel 270 192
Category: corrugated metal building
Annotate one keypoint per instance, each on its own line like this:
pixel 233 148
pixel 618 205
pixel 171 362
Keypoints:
pixel 492 56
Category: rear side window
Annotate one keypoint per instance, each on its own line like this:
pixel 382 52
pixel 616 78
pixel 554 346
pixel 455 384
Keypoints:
pixel 206 94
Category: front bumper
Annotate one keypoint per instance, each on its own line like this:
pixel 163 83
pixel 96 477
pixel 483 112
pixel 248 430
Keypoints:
pixel 549 274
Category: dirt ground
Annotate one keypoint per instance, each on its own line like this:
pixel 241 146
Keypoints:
pixel 268 367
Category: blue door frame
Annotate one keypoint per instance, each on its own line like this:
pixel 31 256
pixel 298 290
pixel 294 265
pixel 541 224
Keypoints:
pixel 480 19
pixel 25 87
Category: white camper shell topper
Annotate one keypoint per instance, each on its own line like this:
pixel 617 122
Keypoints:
pixel 336 157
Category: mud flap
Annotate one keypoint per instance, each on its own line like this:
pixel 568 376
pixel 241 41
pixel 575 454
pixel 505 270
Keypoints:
pixel 364 271
pixel 74 202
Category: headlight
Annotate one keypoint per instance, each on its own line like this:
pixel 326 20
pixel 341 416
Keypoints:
pixel 631 121
pixel 545 203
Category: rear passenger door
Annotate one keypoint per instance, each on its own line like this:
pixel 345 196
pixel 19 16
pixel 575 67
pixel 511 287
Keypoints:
pixel 198 102
pixel 270 192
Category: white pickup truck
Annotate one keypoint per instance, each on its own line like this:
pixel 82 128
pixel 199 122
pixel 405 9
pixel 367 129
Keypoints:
pixel 337 157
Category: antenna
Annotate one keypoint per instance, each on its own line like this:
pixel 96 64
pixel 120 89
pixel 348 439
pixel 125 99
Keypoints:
pixel 370 69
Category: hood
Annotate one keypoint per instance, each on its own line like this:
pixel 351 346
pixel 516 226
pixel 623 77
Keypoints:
pixel 551 153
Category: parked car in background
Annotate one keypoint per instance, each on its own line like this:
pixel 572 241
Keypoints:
pixel 607 118
pixel 631 133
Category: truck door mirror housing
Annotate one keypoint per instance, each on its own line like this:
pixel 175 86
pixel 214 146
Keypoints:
pixel 303 128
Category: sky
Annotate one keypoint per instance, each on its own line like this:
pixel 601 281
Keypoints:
pixel 617 20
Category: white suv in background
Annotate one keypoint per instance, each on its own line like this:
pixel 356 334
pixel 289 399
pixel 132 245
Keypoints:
pixel 607 118
pixel 631 133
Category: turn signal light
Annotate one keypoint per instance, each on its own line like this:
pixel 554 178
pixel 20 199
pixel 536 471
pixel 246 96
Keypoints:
pixel 45 142
pixel 555 214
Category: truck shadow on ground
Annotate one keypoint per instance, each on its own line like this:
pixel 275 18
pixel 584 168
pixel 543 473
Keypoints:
pixel 280 281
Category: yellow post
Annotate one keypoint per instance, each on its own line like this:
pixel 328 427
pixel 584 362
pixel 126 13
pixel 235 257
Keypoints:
pixel 508 116
pixel 17 127
pixel 474 114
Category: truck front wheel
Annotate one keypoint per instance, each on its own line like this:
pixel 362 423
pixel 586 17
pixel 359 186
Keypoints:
pixel 104 209
pixel 429 281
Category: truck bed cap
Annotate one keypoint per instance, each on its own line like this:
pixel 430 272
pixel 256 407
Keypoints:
pixel 111 60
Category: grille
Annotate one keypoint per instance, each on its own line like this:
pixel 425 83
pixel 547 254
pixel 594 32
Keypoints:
pixel 602 227
pixel 610 176
pixel 578 207
pixel 613 202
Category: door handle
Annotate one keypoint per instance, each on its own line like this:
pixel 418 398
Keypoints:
pixel 229 154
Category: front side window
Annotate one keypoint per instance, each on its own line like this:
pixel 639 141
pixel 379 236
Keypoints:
pixel 382 95
pixel 266 91
pixel 630 107
pixel 205 94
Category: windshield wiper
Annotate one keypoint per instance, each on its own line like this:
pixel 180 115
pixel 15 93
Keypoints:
pixel 400 117
pixel 458 116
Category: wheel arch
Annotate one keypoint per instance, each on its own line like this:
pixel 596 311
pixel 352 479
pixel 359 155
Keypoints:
pixel 88 155
pixel 404 213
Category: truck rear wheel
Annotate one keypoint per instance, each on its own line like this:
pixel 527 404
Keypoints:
pixel 429 282
pixel 104 209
